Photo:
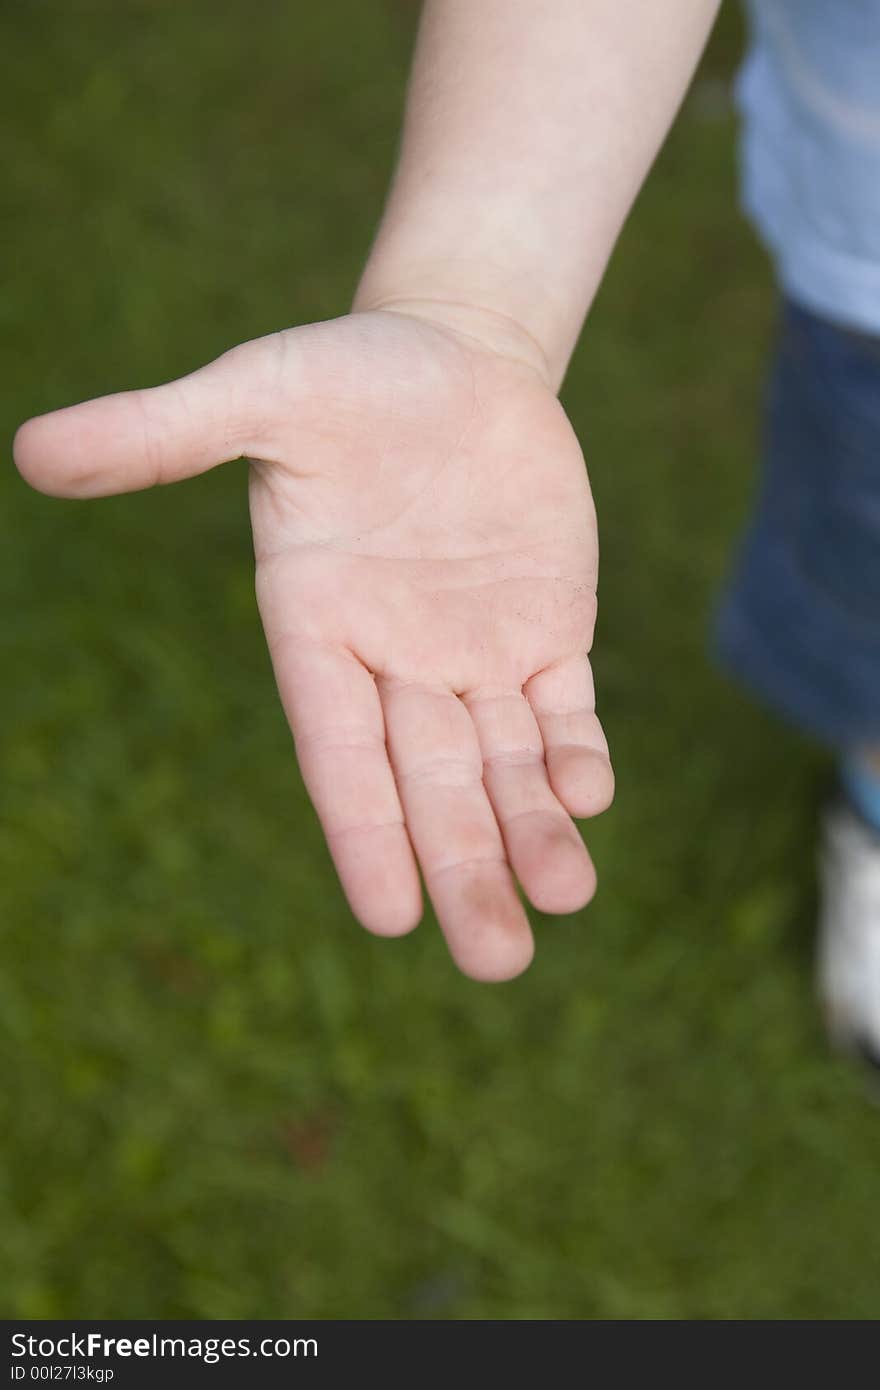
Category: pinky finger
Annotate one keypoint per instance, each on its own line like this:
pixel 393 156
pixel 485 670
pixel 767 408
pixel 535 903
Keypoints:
pixel 575 750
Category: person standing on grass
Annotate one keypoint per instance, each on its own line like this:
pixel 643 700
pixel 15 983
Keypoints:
pixel 424 532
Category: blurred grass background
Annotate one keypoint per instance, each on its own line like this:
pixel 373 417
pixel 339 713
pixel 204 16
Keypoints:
pixel 221 1098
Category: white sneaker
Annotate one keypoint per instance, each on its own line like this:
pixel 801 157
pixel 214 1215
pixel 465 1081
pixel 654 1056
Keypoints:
pixel 848 961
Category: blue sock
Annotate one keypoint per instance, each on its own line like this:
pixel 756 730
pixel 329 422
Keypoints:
pixel 861 784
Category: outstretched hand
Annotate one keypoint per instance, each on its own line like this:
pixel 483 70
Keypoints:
pixel 426 573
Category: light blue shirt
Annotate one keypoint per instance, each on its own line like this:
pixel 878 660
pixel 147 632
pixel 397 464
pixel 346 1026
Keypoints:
pixel 809 94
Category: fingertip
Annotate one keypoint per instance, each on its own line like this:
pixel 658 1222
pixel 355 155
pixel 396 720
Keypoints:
pixel 52 453
pixel 567 884
pixel 582 778
pixel 390 920
pixel 483 919
pixel 550 860
pixel 497 961
pixel 495 947
pixel 26 454
pixel 380 878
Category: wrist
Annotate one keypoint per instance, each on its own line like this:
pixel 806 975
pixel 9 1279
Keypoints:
pixel 490 329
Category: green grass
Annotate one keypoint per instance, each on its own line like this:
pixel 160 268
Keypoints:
pixel 221 1097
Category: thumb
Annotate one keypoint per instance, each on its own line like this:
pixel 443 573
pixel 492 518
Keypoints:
pixel 137 439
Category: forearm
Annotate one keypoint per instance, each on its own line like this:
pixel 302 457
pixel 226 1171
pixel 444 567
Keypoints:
pixel 528 132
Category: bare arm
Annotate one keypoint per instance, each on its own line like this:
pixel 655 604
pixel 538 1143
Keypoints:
pixel 423 526
pixel 530 127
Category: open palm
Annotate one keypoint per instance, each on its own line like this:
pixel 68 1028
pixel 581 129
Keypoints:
pixel 426 574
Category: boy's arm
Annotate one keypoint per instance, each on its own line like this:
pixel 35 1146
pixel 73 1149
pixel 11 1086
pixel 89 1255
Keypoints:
pixel 423 527
pixel 529 129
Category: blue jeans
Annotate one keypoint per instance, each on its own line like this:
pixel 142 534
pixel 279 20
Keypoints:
pixel 799 623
